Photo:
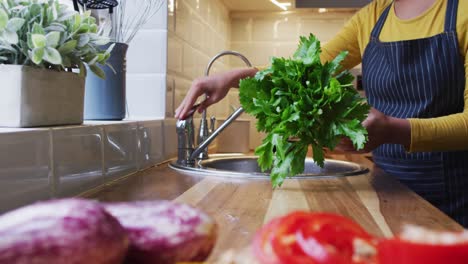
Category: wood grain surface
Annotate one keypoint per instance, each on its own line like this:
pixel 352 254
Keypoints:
pixel 375 200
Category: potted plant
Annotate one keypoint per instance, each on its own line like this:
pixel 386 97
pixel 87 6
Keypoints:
pixel 44 50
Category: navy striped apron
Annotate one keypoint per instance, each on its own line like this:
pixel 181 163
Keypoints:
pixel 421 78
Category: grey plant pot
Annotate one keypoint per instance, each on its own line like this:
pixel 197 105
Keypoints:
pixel 33 97
pixel 105 99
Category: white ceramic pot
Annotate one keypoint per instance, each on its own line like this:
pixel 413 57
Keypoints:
pixel 235 138
pixel 32 97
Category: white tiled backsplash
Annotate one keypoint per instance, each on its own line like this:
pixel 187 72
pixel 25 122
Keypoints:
pixel 265 34
pixel 146 68
pixel 197 31
pixel 146 96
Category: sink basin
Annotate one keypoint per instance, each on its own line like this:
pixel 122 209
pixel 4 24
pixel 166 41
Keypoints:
pixel 246 167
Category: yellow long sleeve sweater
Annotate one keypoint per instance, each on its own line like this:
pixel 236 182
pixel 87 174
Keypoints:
pixel 432 134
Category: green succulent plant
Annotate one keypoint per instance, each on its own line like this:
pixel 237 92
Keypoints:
pixel 47 34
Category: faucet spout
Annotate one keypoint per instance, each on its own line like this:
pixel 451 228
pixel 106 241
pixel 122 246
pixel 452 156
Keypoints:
pixel 215 133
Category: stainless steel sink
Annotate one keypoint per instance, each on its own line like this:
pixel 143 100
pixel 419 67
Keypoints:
pixel 246 167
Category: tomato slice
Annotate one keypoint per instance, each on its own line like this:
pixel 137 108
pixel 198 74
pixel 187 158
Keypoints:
pixel 284 241
pixel 318 250
pixel 316 238
pixel 324 238
pixel 337 231
pixel 261 245
pixel 399 251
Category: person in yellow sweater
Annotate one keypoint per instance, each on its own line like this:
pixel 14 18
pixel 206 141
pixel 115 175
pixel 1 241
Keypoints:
pixel 414 63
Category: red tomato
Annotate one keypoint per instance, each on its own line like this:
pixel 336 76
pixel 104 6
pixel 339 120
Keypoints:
pixel 311 238
pixel 405 252
pixel 262 246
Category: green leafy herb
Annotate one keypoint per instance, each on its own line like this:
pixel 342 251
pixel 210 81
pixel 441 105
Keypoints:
pixel 302 98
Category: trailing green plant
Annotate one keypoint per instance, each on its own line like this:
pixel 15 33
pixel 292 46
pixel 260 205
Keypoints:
pixel 47 34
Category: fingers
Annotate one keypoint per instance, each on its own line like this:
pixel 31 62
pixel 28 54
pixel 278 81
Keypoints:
pixel 194 92
pixel 207 102
pixel 191 98
pixel 346 145
pixel 350 149
pixel 179 108
pixel 369 119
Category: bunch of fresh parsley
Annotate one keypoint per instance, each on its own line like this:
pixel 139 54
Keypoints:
pixel 304 99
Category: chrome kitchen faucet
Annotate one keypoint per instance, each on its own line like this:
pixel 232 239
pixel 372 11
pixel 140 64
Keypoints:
pixel 185 129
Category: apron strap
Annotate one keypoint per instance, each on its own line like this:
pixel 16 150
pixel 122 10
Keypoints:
pixel 380 23
pixel 451 16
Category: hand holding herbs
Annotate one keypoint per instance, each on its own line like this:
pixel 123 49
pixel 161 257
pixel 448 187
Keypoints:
pixel 302 98
pixel 45 34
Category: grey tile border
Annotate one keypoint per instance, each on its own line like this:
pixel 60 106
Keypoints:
pixel 162 133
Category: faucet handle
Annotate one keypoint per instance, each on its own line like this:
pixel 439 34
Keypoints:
pixel 212 124
pixel 192 110
pixel 185 140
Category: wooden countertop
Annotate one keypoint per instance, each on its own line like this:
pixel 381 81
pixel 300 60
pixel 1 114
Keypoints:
pixel 374 200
